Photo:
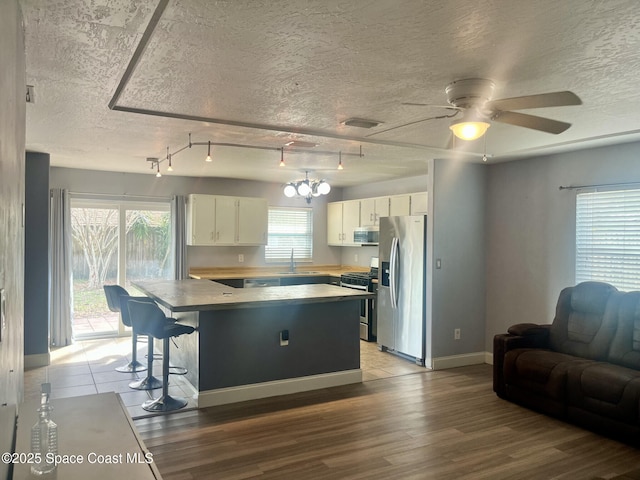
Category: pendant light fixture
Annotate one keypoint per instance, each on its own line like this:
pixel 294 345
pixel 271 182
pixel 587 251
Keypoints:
pixel 282 157
pixel 208 159
pixel 340 167
pixel 307 188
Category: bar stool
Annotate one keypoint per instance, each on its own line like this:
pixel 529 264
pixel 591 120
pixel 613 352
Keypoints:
pixel 149 382
pixel 150 320
pixel 113 294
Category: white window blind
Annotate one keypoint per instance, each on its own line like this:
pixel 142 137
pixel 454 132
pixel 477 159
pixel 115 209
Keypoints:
pixel 290 228
pixel 608 238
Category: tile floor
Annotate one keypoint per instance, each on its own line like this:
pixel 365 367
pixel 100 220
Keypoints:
pixel 88 367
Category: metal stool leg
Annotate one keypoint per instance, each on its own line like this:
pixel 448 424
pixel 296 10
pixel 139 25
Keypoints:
pixel 165 403
pixel 149 382
pixel 134 365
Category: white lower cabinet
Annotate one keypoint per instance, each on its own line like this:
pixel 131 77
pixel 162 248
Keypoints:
pixel 224 220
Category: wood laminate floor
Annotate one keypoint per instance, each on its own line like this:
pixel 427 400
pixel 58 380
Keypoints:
pixel 444 424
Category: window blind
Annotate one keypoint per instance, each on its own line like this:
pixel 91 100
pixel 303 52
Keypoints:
pixel 290 228
pixel 608 238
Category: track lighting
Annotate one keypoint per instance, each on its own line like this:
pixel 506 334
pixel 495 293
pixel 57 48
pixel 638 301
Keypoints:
pixel 307 190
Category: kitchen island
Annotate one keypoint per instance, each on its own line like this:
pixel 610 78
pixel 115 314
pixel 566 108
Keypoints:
pixel 260 342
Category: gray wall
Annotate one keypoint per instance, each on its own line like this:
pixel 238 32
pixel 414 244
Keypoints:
pixel 83 181
pixel 36 262
pixel 531 229
pixel 458 290
pixel 12 135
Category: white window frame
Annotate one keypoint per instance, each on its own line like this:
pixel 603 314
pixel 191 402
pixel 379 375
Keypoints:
pixel 608 237
pixel 302 247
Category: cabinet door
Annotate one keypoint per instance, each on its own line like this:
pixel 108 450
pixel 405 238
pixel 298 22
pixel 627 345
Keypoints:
pixel 400 205
pixel 253 219
pixel 382 208
pixel 225 220
pixel 200 220
pixel 350 220
pixel 334 223
pixel 419 203
pixel 367 212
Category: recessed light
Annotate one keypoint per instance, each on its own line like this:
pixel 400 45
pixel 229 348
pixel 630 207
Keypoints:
pixel 361 123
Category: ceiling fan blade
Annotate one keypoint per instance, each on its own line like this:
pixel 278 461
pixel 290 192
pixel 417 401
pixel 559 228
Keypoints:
pixel 554 99
pixel 531 121
pixel 451 107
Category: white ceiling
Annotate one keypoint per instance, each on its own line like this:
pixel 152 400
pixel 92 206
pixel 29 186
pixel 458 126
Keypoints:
pixel 265 72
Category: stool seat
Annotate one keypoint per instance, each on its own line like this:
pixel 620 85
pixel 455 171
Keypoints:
pixel 150 319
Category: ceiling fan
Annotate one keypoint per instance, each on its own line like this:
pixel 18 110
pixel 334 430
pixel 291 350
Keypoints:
pixel 473 97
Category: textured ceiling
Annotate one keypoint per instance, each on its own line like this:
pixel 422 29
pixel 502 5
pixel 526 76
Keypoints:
pixel 264 73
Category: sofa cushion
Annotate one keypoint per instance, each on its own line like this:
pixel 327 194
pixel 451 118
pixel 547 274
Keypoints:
pixel 608 390
pixel 585 321
pixel 625 346
pixel 539 371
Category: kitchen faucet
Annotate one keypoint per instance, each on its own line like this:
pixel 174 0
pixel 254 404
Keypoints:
pixel 292 264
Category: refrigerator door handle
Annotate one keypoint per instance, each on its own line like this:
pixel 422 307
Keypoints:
pixel 393 266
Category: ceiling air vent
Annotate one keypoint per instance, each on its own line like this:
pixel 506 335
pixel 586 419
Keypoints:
pixel 361 123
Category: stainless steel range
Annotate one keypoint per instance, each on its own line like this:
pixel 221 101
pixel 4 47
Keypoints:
pixel 365 281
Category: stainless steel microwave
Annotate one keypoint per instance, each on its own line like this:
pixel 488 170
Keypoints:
pixel 366 235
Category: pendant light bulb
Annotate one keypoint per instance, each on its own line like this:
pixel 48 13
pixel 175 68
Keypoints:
pixel 158 174
pixel 169 168
pixel 340 167
pixel 209 159
pixel 282 157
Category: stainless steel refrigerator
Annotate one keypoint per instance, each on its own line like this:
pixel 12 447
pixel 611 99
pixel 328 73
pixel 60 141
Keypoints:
pixel 401 286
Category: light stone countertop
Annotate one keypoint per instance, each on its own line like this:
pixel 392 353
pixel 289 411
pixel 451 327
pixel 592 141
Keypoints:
pixel 200 295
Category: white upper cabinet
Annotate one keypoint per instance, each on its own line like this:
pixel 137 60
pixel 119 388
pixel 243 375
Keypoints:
pixel 400 205
pixel 201 224
pixel 223 220
pixel 342 220
pixel 371 209
pixel 419 203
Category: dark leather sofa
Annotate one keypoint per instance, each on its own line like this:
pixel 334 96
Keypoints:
pixel 584 367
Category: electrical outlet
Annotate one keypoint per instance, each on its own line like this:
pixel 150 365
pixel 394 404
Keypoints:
pixel 240 258
pixel 355 258
pixel 284 338
pixel 438 263
pixel 456 334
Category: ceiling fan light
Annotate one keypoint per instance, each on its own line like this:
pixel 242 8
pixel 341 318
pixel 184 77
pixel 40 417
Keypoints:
pixel 289 190
pixel 466 130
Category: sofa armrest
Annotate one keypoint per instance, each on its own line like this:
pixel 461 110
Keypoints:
pixel 523 335
pixel 530 329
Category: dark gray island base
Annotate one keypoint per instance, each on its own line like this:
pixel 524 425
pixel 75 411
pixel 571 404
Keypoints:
pixel 239 350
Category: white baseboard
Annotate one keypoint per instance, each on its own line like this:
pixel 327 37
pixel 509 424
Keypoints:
pixel 453 361
pixel 488 358
pixel 223 396
pixel 37 360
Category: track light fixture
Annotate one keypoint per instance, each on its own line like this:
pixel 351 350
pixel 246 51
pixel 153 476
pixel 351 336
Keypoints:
pixel 155 162
pixel 307 188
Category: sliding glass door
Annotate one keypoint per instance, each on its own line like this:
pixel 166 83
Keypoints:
pixel 115 242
